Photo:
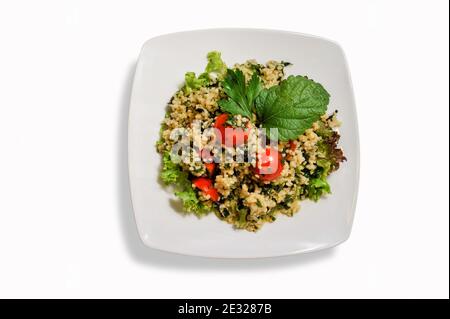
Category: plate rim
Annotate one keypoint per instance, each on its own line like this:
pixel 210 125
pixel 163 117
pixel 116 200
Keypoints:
pixel 355 196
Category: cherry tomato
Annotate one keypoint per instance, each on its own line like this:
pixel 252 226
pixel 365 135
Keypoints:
pixel 231 136
pixel 206 186
pixel 268 164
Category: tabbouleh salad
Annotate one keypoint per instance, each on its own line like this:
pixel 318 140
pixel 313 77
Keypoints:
pixel 291 163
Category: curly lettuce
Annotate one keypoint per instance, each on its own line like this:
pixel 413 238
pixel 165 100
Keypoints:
pixel 215 69
pixel 191 203
pixel 193 83
pixel 172 174
pixel 329 159
pixel 318 187
pixel 328 150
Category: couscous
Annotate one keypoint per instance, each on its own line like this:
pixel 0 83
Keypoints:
pixel 247 143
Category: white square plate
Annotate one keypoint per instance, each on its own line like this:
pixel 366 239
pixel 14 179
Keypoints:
pixel 160 72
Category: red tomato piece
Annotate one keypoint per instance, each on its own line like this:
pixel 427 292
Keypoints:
pixel 210 167
pixel 206 186
pixel 220 125
pixel 213 194
pixel 268 164
pixel 230 136
pixel 202 183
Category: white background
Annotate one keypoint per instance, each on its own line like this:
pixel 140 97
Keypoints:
pixel 66 227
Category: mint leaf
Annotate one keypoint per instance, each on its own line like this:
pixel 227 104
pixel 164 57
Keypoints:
pixel 292 106
pixel 241 96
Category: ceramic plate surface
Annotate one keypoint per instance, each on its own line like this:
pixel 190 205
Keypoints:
pixel 160 72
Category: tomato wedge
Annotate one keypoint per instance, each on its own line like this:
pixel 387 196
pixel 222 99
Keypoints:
pixel 268 164
pixel 206 186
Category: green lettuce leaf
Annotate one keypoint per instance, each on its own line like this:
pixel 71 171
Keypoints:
pixel 193 83
pixel 324 165
pixel 318 187
pixel 191 203
pixel 215 67
pixel 171 172
pixel 291 107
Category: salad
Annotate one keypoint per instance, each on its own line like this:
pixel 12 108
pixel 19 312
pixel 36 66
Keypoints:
pixel 248 143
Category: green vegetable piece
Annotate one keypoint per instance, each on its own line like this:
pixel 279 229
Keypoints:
pixel 192 82
pixel 325 164
pixel 171 172
pixel 318 187
pixel 243 212
pixel 215 67
pixel 241 96
pixel 291 107
pixel 191 203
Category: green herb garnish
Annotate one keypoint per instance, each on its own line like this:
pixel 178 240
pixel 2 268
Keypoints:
pixel 241 95
pixel 292 106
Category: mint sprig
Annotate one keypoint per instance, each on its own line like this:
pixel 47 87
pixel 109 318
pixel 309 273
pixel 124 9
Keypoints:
pixel 292 106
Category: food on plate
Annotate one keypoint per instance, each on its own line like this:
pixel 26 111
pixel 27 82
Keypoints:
pixel 248 143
